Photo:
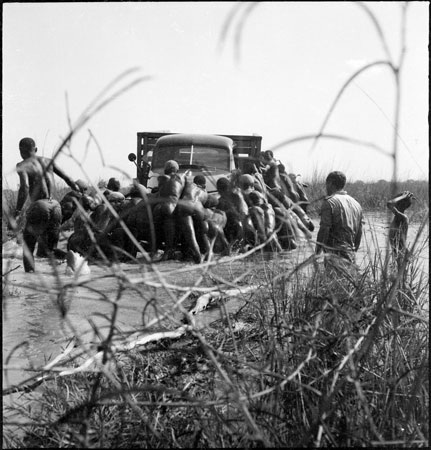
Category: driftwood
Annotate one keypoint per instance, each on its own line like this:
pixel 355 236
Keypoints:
pixel 26 386
pixel 205 300
pixel 130 343
pixel 11 270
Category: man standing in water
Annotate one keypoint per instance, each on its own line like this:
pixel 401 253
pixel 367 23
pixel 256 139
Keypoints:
pixel 43 217
pixel 340 230
pixel 400 223
pixel 171 186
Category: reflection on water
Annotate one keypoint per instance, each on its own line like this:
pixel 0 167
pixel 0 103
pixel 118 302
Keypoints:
pixel 32 317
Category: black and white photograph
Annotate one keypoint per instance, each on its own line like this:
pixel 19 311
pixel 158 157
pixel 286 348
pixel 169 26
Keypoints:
pixel 215 224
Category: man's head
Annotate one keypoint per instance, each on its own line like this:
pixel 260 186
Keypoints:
pixel 27 147
pixel 249 168
pixel 403 200
pixel 246 183
pixel 88 202
pixel 67 210
pixel 116 199
pixel 113 184
pixel 171 167
pixel 137 190
pixel 268 155
pixel 223 185
pixel 335 181
pixel 82 185
pixel 256 198
pixel 200 181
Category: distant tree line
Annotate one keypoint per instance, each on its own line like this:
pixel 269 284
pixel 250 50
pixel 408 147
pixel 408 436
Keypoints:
pixel 373 196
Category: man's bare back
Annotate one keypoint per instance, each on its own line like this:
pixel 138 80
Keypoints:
pixel 43 217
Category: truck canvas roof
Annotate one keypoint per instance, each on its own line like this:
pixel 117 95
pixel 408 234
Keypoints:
pixel 195 139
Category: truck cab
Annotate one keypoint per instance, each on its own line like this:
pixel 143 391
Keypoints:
pixel 213 156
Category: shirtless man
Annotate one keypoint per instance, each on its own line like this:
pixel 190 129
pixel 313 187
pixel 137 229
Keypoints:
pixel 263 217
pixel 113 185
pixel 400 223
pixel 191 219
pixel 259 183
pixel 43 217
pixel 71 199
pixel 171 186
pixel 94 232
pixel 239 228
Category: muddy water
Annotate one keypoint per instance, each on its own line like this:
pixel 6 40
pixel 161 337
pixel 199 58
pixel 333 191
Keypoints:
pixel 375 240
pixel 32 318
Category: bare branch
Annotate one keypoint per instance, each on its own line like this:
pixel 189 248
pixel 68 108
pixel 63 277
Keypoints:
pixel 240 26
pixel 95 107
pixel 331 136
pixel 227 24
pixel 246 8
pixel 378 29
pixel 341 91
pixel 92 137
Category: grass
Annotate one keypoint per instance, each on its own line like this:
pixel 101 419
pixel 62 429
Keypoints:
pixel 318 357
pixel 315 358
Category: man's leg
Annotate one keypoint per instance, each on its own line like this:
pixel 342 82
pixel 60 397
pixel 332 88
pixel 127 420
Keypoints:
pixel 53 230
pixel 169 229
pixel 29 243
pixel 37 220
pixel 42 250
pixel 170 238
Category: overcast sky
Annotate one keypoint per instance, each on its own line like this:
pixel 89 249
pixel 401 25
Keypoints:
pixel 293 59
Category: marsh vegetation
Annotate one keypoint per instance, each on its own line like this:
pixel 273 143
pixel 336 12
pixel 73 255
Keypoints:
pixel 316 355
pixel 311 357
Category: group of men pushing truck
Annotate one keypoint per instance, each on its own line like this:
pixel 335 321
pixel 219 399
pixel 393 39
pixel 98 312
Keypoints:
pixel 249 209
pixel 258 205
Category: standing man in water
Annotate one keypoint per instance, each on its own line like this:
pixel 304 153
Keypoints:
pixel 171 186
pixel 43 217
pixel 400 223
pixel 341 220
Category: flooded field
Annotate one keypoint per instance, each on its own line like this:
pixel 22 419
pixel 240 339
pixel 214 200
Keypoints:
pixel 44 310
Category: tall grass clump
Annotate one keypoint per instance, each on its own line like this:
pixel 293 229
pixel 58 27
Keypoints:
pixel 322 354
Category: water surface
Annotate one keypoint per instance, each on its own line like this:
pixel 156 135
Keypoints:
pixel 32 317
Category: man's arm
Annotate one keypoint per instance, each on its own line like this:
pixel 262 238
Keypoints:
pixel 325 227
pixel 358 236
pixel 61 174
pixel 401 217
pixel 391 205
pixel 23 190
pixel 274 176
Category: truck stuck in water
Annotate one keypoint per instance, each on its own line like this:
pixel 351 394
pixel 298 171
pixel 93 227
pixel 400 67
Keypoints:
pixel 213 156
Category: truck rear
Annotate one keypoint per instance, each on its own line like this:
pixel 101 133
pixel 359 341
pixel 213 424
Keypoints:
pixel 213 156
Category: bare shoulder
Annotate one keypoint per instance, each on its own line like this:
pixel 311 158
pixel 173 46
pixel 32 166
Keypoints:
pixel 34 165
pixel 25 165
pixel 44 161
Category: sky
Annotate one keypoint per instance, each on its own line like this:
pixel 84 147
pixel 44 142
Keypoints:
pixel 221 68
